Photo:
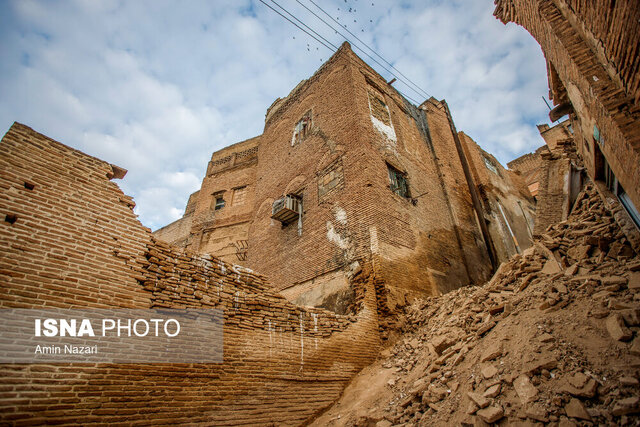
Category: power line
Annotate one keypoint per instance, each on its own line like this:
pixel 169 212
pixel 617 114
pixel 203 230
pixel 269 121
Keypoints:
pixel 309 34
pixel 424 92
pixel 325 45
pixel 363 51
pixel 310 29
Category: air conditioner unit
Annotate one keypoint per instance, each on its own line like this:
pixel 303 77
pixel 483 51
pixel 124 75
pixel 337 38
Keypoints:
pixel 286 209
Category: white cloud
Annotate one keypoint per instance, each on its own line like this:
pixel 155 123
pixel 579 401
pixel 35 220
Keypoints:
pixel 156 86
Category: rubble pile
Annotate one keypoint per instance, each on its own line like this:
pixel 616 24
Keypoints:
pixel 552 338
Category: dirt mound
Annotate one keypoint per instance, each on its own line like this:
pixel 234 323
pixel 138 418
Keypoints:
pixel 552 338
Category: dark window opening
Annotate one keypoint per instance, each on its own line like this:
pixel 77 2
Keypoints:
pixel 29 186
pixel 398 182
pixel 302 128
pixel 218 201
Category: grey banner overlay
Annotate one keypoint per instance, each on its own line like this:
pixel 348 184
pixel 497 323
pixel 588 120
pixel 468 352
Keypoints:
pixel 111 336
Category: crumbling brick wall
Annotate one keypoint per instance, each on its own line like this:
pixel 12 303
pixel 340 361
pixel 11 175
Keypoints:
pixel 361 128
pixel 77 243
pixel 591 50
pixel 508 205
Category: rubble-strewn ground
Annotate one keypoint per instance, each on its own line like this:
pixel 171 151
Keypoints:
pixel 552 338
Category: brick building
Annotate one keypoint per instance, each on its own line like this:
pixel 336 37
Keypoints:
pixel 349 176
pixel 593 58
pixel 71 240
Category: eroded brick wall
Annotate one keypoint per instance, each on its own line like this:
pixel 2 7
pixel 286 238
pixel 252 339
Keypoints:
pixel 77 243
pixel 508 205
pixel 360 126
pixel 593 50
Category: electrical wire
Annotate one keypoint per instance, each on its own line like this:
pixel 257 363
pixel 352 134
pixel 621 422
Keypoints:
pixel 306 26
pixel 424 92
pixel 305 31
pixel 364 52
pixel 334 47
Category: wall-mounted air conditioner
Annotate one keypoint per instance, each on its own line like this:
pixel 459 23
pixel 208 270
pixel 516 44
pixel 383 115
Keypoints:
pixel 287 209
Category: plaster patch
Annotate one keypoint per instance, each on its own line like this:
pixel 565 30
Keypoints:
pixel 386 130
pixel 340 214
pixel 334 237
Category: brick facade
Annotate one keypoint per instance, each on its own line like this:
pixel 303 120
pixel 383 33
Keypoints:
pixel 592 59
pixel 71 240
pixel 381 185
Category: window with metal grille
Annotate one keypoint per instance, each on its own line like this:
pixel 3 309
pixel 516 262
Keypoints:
pixel 398 182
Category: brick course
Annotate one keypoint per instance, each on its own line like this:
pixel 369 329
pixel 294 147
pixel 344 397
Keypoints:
pixel 77 243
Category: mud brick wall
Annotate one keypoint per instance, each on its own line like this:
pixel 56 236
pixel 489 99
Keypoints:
pixel 552 198
pixel 507 202
pixel 77 243
pixel 361 219
pixel 593 47
pixel 525 163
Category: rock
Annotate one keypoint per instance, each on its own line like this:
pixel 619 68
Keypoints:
pixel 631 317
pixel 442 343
pixel 384 423
pixel 548 362
pixel 526 391
pixel 578 380
pixel 492 391
pixel 479 400
pixel 600 313
pixel 551 267
pixel 496 309
pixel 634 281
pixel 613 280
pixel 635 347
pixel 437 394
pixel 537 412
pixel 492 352
pixel 564 422
pixel 628 381
pixel 579 252
pixel 575 409
pixel 589 390
pixel 630 405
pixel 571 271
pixel 472 408
pixel 562 289
pixel 545 338
pixel 617 329
pixel 485 327
pixel 488 371
pixel 490 414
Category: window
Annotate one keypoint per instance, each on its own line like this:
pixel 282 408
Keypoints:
pixel 489 164
pixel 378 108
pixel 218 201
pixel 398 182
pixel 612 183
pixel 301 129
pixel 239 195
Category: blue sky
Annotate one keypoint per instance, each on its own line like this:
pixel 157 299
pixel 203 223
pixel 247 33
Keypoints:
pixel 156 86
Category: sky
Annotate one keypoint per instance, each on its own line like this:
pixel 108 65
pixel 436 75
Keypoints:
pixel 156 86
